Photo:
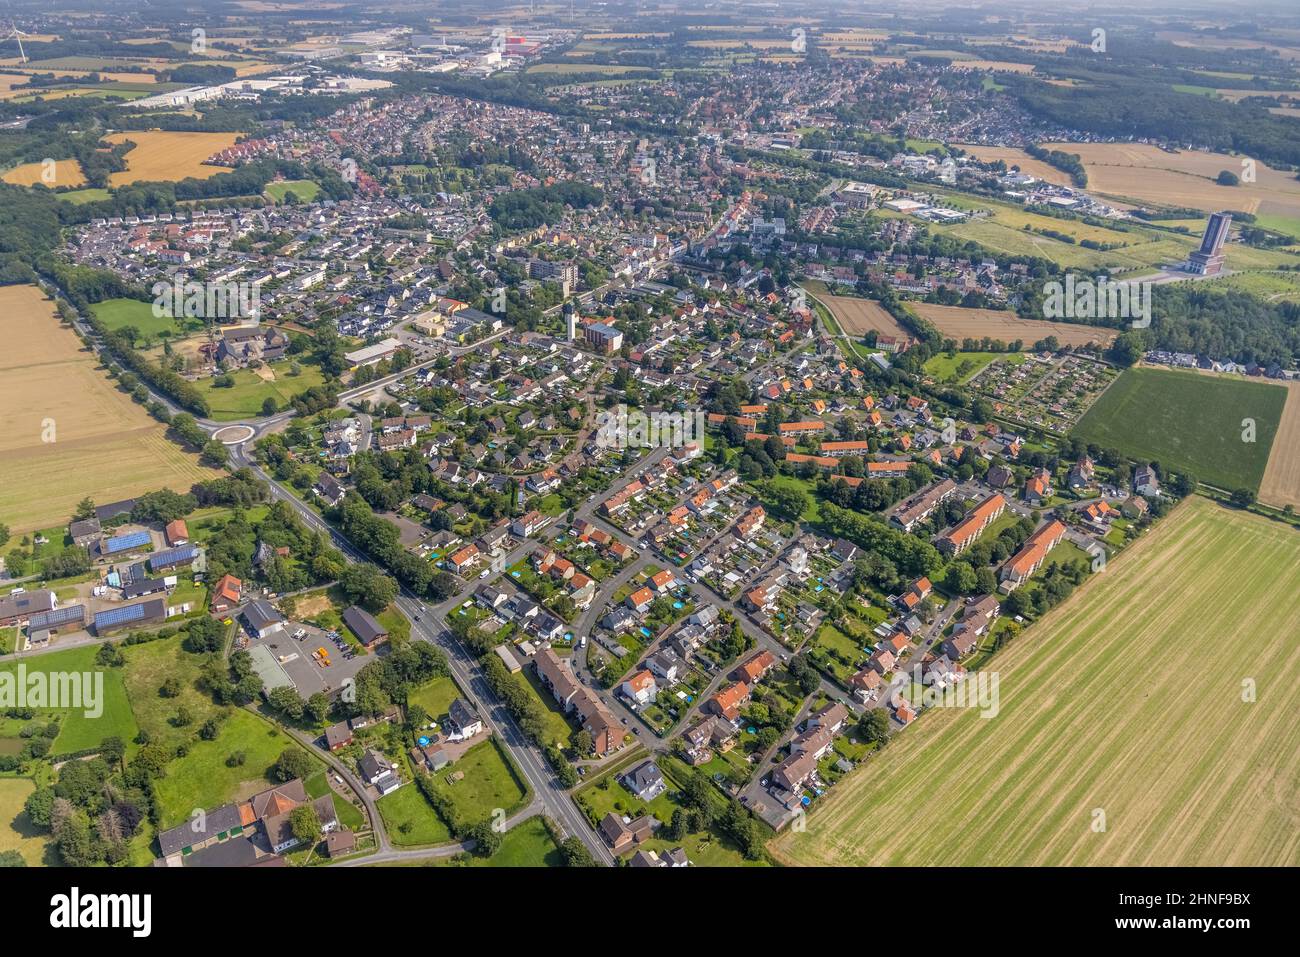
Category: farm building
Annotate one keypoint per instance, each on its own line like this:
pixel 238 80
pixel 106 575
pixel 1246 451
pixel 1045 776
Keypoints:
pixel 122 544
pixel 368 631
pixel 131 616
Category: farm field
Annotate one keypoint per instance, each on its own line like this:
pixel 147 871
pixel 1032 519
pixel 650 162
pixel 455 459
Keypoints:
pixel 1148 173
pixel 66 173
pixel 161 155
pixel 1281 484
pixel 856 317
pixel 1106 706
pixel 105 445
pixel 1186 420
pixel 960 322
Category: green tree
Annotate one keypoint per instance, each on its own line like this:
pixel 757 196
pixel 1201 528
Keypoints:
pixel 292 763
pixel 304 823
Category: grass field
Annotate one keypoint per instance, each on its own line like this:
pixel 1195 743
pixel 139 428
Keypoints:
pixel 79 731
pixel 1281 484
pixel 17 832
pixel 89 195
pixel 1185 420
pixel 119 313
pixel 960 322
pixel 148 665
pixel 410 820
pixel 104 444
pixel 304 189
pixel 254 386
pixel 1113 704
pixel 525 845
pixel 963 366
pixel 489 783
pixel 203 779
pixel 165 156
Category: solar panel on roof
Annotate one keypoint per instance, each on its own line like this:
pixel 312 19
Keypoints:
pixel 172 555
pixel 117 616
pixel 122 542
pixel 59 616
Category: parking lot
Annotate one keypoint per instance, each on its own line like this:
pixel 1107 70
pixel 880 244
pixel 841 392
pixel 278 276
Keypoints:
pixel 301 659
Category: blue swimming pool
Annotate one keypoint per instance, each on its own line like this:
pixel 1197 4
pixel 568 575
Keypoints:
pixel 424 740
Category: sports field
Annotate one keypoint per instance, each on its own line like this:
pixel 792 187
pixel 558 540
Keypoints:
pixel 1186 420
pixel 165 156
pixel 960 322
pixel 1123 709
pixel 104 445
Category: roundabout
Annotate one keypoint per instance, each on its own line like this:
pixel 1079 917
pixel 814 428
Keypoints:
pixel 234 434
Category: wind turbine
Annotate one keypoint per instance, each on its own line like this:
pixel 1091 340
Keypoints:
pixel 16 34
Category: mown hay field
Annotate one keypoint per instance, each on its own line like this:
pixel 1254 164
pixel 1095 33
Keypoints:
pixel 1127 708
pixel 104 444
pixel 1281 484
pixel 960 322
pixel 859 316
pixel 1187 178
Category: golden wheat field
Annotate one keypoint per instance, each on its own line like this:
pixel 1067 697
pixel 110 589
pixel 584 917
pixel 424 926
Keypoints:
pixel 162 155
pixel 66 173
pixel 1148 720
pixel 104 445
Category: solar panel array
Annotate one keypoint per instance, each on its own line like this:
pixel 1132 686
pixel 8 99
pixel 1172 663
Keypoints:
pixel 172 556
pixel 119 616
pixel 57 617
pixel 121 543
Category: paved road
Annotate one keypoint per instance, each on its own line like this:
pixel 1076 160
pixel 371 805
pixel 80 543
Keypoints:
pixel 431 627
